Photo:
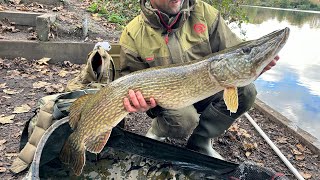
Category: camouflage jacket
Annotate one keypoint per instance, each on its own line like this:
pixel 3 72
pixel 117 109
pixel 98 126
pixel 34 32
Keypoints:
pixel 155 39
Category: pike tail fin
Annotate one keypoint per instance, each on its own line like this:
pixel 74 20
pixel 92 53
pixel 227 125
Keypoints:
pixel 96 144
pixel 73 153
pixel 76 109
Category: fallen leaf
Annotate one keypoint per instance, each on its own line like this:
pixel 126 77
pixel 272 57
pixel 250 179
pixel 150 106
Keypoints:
pixel 57 8
pixel 306 175
pixel 6 119
pixel 299 157
pixel 260 164
pixel 232 137
pixel 22 109
pixel 234 127
pixel 32 77
pixel 63 73
pixel 10 155
pixel 11 91
pixel 249 146
pixel 44 72
pixel 55 88
pixel 99 39
pixel 245 133
pixel 282 140
pixel 3 85
pixel 25 75
pixel 13 73
pixel 7 97
pixel 15 1
pixel 301 164
pixel 43 61
pixel 40 84
pixel 2 142
pixel 3 169
pixel 1 8
pixel 19 123
pixel 30 29
pixel 67 63
pixel 296 152
pixel 301 147
pixel 15 135
pixel 97 18
pixel 248 154
pixel 32 36
pixel 23 8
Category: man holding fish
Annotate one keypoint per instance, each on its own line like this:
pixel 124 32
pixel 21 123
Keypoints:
pixel 174 32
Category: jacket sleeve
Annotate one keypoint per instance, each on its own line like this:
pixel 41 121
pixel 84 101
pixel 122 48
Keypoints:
pixel 221 36
pixel 130 59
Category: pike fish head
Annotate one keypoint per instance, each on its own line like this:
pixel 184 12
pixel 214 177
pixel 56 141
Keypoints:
pixel 240 65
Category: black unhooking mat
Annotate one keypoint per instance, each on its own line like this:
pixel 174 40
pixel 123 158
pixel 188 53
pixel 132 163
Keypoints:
pixel 165 154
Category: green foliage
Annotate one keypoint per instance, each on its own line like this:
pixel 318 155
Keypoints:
pixel 230 10
pixel 119 12
pixel 116 18
pixel 93 8
pixel 123 11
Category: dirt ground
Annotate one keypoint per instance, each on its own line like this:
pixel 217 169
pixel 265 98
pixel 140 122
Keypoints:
pixel 24 81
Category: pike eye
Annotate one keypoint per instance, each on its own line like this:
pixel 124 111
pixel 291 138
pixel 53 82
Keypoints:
pixel 246 50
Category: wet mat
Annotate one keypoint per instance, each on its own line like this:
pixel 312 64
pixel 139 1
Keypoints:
pixel 131 156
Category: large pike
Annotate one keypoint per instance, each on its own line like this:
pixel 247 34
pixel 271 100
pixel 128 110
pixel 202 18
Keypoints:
pixel 92 117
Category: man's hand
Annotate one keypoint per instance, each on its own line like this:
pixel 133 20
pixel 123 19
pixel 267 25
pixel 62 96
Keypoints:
pixel 138 103
pixel 271 64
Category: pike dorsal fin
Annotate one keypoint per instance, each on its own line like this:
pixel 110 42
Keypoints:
pixel 96 144
pixel 76 109
pixel 230 97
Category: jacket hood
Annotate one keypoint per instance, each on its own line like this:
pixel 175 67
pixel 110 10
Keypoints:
pixel 152 16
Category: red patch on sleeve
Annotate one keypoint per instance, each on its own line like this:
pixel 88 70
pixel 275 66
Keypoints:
pixel 149 58
pixel 199 28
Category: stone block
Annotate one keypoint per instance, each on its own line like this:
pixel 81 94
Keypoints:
pixel 43 24
pixel 20 18
pixel 47 2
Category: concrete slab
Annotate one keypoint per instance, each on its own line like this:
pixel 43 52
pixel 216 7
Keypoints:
pixel 75 52
pixel 20 18
pixel 310 141
pixel 47 2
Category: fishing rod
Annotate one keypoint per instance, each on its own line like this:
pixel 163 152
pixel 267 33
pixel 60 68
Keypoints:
pixel 274 147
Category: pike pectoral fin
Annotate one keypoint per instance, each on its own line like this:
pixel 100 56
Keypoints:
pixel 230 97
pixel 73 153
pixel 76 108
pixel 96 144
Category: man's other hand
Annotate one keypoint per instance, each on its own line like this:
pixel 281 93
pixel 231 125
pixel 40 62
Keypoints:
pixel 137 103
pixel 271 64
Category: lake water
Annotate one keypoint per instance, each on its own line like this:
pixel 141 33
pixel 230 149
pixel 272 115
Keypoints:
pixel 293 86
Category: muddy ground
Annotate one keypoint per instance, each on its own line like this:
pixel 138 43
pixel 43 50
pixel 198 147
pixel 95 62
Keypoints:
pixel 24 81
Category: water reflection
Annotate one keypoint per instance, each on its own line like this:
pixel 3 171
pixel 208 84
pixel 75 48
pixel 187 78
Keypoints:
pixel 295 18
pixel 293 86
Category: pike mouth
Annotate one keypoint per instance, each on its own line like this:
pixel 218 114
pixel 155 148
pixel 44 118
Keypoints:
pixel 283 36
